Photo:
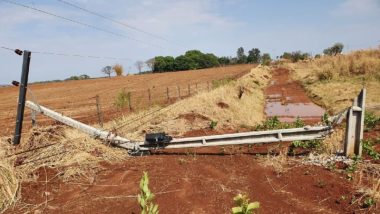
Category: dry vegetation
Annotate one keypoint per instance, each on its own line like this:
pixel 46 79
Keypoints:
pixel 221 105
pixel 332 81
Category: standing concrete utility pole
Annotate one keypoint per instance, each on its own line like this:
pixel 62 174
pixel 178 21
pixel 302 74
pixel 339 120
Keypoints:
pixel 22 95
pixel 355 126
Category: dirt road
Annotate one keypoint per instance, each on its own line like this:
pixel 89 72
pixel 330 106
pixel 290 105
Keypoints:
pixel 287 100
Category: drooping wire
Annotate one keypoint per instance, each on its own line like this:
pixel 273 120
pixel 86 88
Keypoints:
pixel 117 22
pixel 70 55
pixel 81 23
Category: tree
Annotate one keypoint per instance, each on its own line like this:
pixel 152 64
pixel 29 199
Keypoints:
pixel 241 57
pixel 336 49
pixel 139 65
pixel 118 69
pixel 266 59
pixel 254 56
pixel 150 64
pixel 107 70
pixel 224 60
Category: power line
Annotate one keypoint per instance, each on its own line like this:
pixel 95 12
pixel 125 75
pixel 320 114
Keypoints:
pixel 117 22
pixel 71 55
pixel 81 23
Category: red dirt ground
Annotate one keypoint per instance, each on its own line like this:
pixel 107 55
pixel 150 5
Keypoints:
pixel 193 183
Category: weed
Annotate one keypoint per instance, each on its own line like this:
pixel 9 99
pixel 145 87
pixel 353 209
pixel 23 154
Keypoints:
pixel 311 144
pixel 243 206
pixel 369 150
pixel 145 198
pixel 368 202
pixel 274 123
pixel 325 119
pixel 298 123
pixel 351 169
pixel 370 120
pixel 213 124
pixel 122 99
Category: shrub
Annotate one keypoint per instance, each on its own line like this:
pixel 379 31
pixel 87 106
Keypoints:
pixel 118 69
pixel 325 75
pixel 123 99
pixel 266 59
pixel 243 206
pixel 145 198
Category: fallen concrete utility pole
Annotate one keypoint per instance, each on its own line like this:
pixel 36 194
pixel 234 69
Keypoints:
pixel 255 137
pixel 108 137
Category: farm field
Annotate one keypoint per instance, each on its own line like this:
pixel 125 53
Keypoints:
pixel 66 171
pixel 76 99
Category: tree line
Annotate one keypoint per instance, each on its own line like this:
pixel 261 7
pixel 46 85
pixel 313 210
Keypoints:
pixel 195 59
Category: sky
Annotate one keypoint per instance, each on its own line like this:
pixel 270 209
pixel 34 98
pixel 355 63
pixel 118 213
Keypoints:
pixel 173 27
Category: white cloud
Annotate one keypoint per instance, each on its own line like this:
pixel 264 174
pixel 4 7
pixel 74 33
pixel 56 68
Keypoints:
pixel 358 8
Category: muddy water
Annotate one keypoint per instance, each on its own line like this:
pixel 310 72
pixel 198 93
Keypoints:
pixel 287 100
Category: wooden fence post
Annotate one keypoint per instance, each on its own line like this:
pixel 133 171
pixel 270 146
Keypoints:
pixel 167 93
pixel 129 100
pixel 188 89
pixel 99 111
pixel 179 92
pixel 149 96
pixel 354 126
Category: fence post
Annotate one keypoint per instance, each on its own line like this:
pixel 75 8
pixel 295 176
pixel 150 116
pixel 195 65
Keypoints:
pixel 167 93
pixel 21 97
pixel 179 92
pixel 208 86
pixel 99 111
pixel 188 89
pixel 149 96
pixel 129 101
pixel 355 125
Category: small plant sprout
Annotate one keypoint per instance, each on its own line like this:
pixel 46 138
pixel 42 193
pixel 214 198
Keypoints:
pixel 243 206
pixel 213 124
pixel 145 198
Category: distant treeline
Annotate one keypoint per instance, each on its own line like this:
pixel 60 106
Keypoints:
pixel 195 59
pixel 80 77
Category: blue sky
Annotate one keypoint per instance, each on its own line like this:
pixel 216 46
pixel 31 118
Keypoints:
pixel 217 26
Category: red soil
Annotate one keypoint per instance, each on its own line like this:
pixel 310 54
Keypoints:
pixel 193 183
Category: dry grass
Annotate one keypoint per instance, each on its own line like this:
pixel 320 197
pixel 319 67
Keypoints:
pixel 333 81
pixel 9 185
pixel 333 143
pixel 277 162
pixel 248 110
pixel 73 154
